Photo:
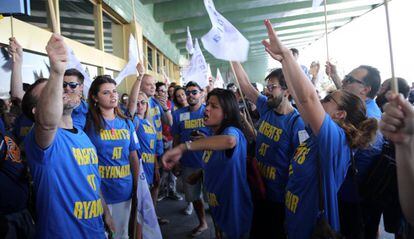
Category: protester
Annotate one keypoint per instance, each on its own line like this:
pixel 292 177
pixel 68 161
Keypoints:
pixel 277 138
pixel 63 161
pixel 336 126
pixel 225 165
pixel 73 82
pixel 188 125
pixel 22 124
pixel 180 99
pixel 359 216
pixel 397 124
pixel 123 104
pixel 116 143
pixel 403 89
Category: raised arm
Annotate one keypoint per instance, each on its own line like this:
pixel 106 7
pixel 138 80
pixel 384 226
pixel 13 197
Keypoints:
pixel 133 96
pixel 245 86
pixel 299 85
pixel 16 83
pixel 49 108
pixel 397 124
pixel 330 70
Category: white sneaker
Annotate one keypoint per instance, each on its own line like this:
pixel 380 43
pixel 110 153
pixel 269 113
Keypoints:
pixel 189 209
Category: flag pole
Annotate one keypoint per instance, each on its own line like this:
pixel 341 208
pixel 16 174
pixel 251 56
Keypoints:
pixel 249 118
pixel 394 83
pixel 326 30
pixel 53 16
pixel 135 214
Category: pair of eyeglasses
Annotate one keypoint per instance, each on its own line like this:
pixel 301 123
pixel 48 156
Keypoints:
pixel 142 102
pixel 349 80
pixel 329 98
pixel 270 87
pixel 72 85
pixel 162 91
pixel 192 92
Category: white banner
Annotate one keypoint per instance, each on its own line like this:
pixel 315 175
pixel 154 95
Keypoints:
pixel 219 82
pixel 316 3
pixel 189 44
pixel 130 68
pixel 224 41
pixel 145 208
pixel 73 62
pixel 197 70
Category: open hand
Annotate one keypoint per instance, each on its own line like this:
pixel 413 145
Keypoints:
pixel 274 46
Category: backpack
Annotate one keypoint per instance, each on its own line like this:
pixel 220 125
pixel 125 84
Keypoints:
pixel 381 180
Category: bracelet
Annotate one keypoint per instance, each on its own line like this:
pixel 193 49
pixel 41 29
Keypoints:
pixel 166 110
pixel 188 145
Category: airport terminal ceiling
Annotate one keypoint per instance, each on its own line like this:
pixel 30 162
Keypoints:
pixel 297 22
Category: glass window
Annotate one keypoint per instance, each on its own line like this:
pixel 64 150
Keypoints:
pixel 149 58
pixel 159 65
pixel 38 14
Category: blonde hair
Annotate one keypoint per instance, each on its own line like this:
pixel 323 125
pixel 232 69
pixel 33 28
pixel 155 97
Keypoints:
pixel 145 97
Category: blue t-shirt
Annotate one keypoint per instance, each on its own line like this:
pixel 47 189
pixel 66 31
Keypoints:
pixel 184 122
pixel 147 137
pixel 22 126
pixel 277 138
pixel 225 182
pixel 2 128
pixel 79 114
pixel 155 114
pixel 364 158
pixel 114 144
pixel 329 152
pixel 14 183
pixel 67 183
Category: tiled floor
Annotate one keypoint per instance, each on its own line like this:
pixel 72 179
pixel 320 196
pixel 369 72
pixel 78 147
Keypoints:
pixel 180 225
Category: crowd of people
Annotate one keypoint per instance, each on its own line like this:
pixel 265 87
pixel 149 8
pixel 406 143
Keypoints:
pixel 328 168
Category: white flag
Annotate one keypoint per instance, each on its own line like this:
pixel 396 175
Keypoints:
pixel 219 82
pixel 189 44
pixel 224 41
pixel 73 62
pixel 197 70
pixel 316 3
pixel 146 215
pixel 130 68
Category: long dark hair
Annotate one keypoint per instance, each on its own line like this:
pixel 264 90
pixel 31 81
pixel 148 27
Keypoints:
pixel 94 111
pixel 360 131
pixel 177 88
pixel 231 113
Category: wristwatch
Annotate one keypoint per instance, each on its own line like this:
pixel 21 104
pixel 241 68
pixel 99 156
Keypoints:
pixel 188 145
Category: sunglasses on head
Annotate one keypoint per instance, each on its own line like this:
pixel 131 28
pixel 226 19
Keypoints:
pixel 192 92
pixel 349 79
pixel 72 85
pixel 329 98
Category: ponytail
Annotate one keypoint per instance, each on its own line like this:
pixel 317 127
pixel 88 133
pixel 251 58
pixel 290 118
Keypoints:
pixel 360 137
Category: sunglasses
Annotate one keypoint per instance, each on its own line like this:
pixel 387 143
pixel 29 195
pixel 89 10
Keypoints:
pixel 270 87
pixel 142 102
pixel 349 80
pixel 72 85
pixel 192 92
pixel 329 98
